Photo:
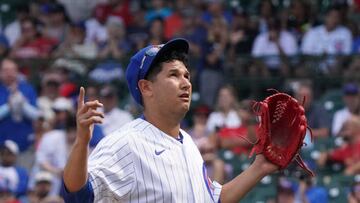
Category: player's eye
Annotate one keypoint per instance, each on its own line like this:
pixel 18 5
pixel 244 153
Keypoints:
pixel 187 76
pixel 173 74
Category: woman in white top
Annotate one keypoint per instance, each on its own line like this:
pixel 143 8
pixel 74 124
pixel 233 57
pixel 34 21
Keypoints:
pixel 225 114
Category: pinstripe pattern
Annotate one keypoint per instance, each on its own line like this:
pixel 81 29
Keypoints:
pixel 125 167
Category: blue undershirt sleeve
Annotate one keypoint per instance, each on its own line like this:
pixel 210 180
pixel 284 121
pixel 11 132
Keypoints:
pixel 84 195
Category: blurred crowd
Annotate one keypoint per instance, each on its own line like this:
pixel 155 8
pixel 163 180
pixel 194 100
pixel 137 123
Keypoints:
pixel 84 42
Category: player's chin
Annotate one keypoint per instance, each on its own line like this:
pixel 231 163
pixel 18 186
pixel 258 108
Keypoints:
pixel 185 106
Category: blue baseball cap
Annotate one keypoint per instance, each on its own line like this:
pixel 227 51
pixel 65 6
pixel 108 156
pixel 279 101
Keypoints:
pixel 350 89
pixel 141 62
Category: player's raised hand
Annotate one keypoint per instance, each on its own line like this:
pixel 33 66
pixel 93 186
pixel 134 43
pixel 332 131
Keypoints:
pixel 87 116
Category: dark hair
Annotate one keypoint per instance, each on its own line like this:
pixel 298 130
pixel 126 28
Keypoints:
pixel 156 66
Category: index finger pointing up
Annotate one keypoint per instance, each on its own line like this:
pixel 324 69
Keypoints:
pixel 81 98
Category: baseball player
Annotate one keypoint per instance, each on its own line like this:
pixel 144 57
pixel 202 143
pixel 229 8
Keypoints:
pixel 150 159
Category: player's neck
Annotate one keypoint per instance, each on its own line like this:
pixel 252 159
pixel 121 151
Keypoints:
pixel 168 125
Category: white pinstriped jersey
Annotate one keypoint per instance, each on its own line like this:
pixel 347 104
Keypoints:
pixel 139 163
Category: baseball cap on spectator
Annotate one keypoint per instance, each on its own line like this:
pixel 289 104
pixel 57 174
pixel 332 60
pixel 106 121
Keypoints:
pixel 11 146
pixel 107 72
pixel 52 8
pixel 142 61
pixel 115 21
pixel 51 79
pixel 71 65
pixel 63 104
pixel 79 24
pixel 202 110
pixel 43 176
pixel 286 186
pixel 351 89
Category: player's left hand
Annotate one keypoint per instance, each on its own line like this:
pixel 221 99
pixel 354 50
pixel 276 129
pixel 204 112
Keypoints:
pixel 264 165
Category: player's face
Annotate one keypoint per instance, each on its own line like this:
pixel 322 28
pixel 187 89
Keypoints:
pixel 172 87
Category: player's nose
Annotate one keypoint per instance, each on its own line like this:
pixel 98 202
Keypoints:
pixel 185 83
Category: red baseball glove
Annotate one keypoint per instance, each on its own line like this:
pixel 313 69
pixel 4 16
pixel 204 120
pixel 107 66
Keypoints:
pixel 281 131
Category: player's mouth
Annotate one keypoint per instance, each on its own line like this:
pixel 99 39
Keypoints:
pixel 185 97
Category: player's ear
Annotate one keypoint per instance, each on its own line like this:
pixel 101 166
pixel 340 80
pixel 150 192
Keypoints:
pixel 145 87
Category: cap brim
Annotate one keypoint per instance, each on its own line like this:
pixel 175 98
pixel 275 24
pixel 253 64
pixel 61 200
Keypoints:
pixel 179 44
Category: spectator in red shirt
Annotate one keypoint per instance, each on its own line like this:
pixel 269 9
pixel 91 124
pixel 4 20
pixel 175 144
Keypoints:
pixel 31 43
pixel 349 152
pixel 230 138
pixel 121 8
pixel 215 166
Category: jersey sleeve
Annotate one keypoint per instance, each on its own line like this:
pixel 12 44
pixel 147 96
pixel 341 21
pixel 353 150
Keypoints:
pixel 216 191
pixel 84 195
pixel 111 169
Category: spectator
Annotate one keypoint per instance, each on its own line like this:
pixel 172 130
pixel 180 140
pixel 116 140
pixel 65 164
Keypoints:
pixel 56 21
pixel 114 116
pixel 156 31
pixel 348 153
pixel 350 73
pixel 174 23
pixel 285 191
pixel 318 119
pixel 92 92
pixel 31 43
pixel 108 71
pixel 200 135
pixel 13 30
pixel 42 190
pixel 63 108
pixel 274 47
pixel 158 10
pixel 354 195
pixel 17 106
pixel 225 114
pixel 299 19
pixel 193 30
pixel 95 26
pixel 49 93
pixel 329 38
pixel 212 68
pixel 242 35
pixel 215 9
pixel 121 9
pixel 4 46
pixel 352 105
pixel 356 42
pixel 79 10
pixel 266 10
pixel 138 30
pixel 230 137
pixel 308 192
pixel 6 196
pixel 52 153
pixel 69 70
pixel 16 176
pixel 75 45
pixel 117 45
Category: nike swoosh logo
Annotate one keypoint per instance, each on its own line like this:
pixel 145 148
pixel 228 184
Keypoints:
pixel 159 152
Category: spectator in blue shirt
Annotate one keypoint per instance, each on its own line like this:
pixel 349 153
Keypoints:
pixel 16 176
pixel 17 105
